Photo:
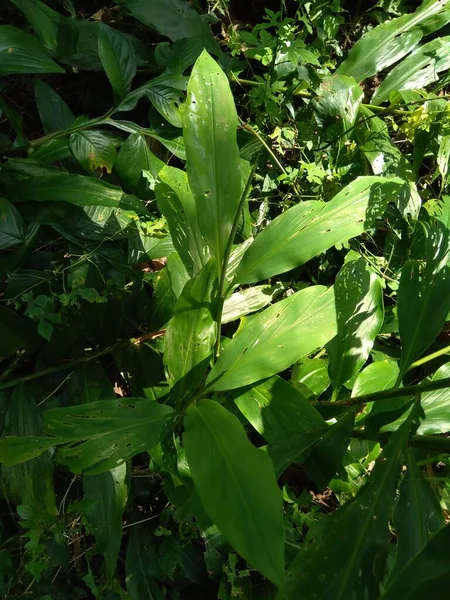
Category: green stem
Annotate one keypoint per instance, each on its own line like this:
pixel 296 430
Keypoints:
pixel 430 442
pixel 430 357
pixel 226 259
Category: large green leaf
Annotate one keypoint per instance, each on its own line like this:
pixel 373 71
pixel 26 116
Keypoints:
pixel 249 300
pixel 20 53
pixel 337 103
pixel 176 202
pixel 418 70
pixel 133 158
pixel 237 486
pixel 337 565
pixel 175 19
pixel 427 573
pixel 118 59
pixel 417 515
pixel 53 111
pixel 111 431
pixel 76 189
pixel 277 410
pixel 12 227
pixel 14 449
pixel 424 292
pixel 213 162
pixel 311 227
pixel 105 497
pixel 191 332
pixel 295 449
pixel 93 150
pixel 386 44
pixel 377 376
pixel 265 344
pixel 141 566
pixel 360 314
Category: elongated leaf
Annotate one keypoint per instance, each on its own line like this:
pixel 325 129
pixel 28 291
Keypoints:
pixel 295 449
pixel 76 189
pixel 424 293
pixel 12 227
pixel 388 43
pixel 141 566
pixel 338 565
pixel 443 158
pixel 175 19
pixel 277 410
pixel 167 102
pixel 311 227
pixel 105 497
pixel 111 431
pixel 418 70
pixel 216 442
pixel 377 376
pixel 118 59
pixel 176 202
pixel 20 52
pixel 133 158
pixel 191 332
pixel 417 515
pixel 436 406
pixel 249 300
pixel 265 344
pixel 360 315
pixel 428 571
pixel 53 111
pixel 93 150
pixel 310 376
pixel 14 450
pixel 213 163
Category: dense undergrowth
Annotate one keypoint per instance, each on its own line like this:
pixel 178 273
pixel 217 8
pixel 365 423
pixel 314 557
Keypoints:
pixel 224 299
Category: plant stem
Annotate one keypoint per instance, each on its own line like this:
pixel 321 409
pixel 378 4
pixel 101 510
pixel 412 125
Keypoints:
pixel 226 258
pixel 430 357
pixel 394 392
pixel 430 442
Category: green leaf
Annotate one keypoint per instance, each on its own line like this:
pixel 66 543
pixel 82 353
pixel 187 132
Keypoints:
pixel 443 158
pixel 310 376
pixel 191 332
pixel 176 202
pixel 417 515
pixel 22 53
pixel 174 19
pixel 105 497
pixel 311 227
pixel 76 189
pixel 213 163
pixel 14 450
pixel 277 410
pixel 264 345
pixel 427 572
pixel 216 443
pixel 337 104
pixel 417 71
pixel 436 406
pixel 111 431
pixel 249 300
pixel 337 565
pixel 53 111
pixel 133 158
pixel 389 42
pixel 93 150
pixel 141 560
pixel 118 59
pixel 12 227
pixel 424 293
pixel 377 376
pixel 295 449
pixel 360 314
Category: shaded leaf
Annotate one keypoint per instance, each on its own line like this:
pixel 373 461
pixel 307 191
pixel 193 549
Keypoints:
pixel 93 150
pixel 264 345
pixel 12 227
pixel 140 566
pixel 216 442
pixel 443 158
pixel 53 111
pixel 22 53
pixel 337 104
pixel 118 59
pixel 14 450
pixel 133 158
pixel 295 449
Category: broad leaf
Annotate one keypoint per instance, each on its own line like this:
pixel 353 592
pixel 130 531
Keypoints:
pixel 427 572
pixel 389 42
pixel 176 202
pixel 76 189
pixel 249 300
pixel 377 376
pixel 53 111
pixel 105 497
pixel 295 449
pixel 191 332
pixel 141 566
pixel 311 227
pixel 118 59
pixel 213 162
pixel 216 443
pixel 14 450
pixel 111 431
pixel 337 565
pixel 93 150
pixel 424 293
pixel 20 53
pixel 264 345
pixel 277 410
pixel 337 103
pixel 418 70
pixel 12 227
pixel 360 314
pixel 133 158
